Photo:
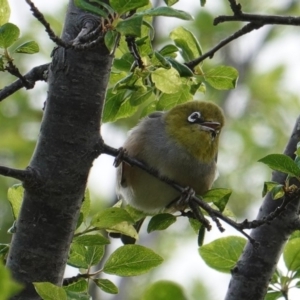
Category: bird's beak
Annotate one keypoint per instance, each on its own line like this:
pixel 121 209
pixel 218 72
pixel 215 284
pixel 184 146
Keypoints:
pixel 211 126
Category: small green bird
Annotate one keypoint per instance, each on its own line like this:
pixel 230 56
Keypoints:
pixel 182 144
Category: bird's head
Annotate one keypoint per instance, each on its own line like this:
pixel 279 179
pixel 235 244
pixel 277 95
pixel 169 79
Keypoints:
pixel 196 126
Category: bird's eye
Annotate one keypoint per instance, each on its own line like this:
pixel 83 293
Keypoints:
pixel 194 117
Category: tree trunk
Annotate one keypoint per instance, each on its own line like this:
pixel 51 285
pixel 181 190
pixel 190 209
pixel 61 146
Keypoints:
pixel 68 143
pixel 254 270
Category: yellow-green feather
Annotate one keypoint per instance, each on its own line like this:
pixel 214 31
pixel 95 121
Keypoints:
pixel 197 142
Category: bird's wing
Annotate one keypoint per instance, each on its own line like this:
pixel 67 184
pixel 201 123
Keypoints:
pixel 121 176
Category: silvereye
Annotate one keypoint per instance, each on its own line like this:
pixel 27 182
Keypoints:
pixel 182 144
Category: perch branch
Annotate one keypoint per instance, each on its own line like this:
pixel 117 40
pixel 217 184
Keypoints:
pixel 213 213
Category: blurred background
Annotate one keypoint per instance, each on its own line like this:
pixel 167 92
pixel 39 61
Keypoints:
pixel 260 115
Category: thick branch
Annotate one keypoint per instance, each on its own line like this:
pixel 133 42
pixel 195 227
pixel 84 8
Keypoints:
pixel 36 74
pixel 251 276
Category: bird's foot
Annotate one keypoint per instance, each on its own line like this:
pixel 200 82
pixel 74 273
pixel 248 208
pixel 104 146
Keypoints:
pixel 182 202
pixel 119 157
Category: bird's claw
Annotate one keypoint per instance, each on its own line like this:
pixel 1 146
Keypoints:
pixel 119 157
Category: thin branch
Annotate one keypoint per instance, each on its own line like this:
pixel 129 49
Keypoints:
pixel 246 29
pixel 35 74
pixel 134 51
pixel 235 7
pixel 263 19
pixel 36 13
pixel 22 175
pixel 13 70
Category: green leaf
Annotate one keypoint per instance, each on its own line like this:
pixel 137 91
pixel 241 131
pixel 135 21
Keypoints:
pixel 273 295
pixel 110 217
pixel 291 254
pixel 77 296
pixel 135 213
pixel 9 33
pixel 159 60
pixel 110 39
pixel 161 222
pixel 281 163
pixel 138 97
pixel 77 287
pixel 1 64
pixel 124 63
pixel 131 260
pixel 8 286
pixel 106 286
pixel 182 69
pixel 86 6
pixel 122 6
pixel 94 254
pixel 28 48
pixel 166 12
pixel 49 291
pixel 15 197
pixel 91 240
pixel 222 254
pixel 167 101
pixel 86 204
pixel 202 2
pixel 4 248
pixel 268 186
pixel 164 290
pixel 85 256
pixel 125 229
pixel 219 197
pixel 77 256
pixel 201 235
pixel 195 224
pixel 112 105
pixel 4 12
pixel 148 109
pixel 278 191
pixel 222 77
pixel 131 26
pixel 167 80
pixel 187 42
pixel 170 2
pixel 169 50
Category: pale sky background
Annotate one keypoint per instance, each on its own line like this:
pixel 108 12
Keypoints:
pixel 101 181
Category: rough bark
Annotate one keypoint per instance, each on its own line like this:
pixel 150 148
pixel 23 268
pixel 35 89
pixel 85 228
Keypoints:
pixel 66 147
pixel 253 272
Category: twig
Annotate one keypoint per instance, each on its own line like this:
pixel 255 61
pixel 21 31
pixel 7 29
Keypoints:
pixel 236 7
pixel 263 19
pixel 246 29
pixel 12 69
pixel 22 175
pixel 35 74
pixel 48 29
pixel 134 51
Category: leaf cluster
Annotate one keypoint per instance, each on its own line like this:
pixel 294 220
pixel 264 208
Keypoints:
pixel 157 79
pixel 9 35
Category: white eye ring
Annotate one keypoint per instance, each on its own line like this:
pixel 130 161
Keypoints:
pixel 192 118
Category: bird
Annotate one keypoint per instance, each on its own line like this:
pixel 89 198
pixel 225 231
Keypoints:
pixel 182 145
